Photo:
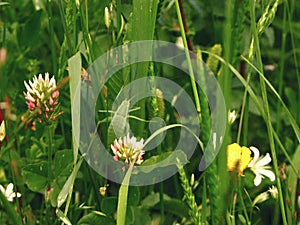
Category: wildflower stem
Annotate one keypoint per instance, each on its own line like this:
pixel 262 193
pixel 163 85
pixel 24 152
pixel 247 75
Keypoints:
pixel 15 184
pixel 48 190
pixel 13 174
pixel 267 111
pixel 188 58
pixel 86 35
pixel 52 38
pixel 282 62
pixel 240 187
pixel 156 109
pixel 10 210
pixel 49 130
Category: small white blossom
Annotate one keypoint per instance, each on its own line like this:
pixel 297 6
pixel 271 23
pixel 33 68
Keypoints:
pixel 259 166
pixel 2 131
pixel 128 149
pixel 260 198
pixel 273 191
pixel 231 116
pixel 9 192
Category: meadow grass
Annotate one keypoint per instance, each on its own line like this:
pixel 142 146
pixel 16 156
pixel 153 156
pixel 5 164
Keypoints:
pixel 250 48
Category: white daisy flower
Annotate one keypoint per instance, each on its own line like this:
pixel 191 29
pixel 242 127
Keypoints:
pixel 9 192
pixel 259 166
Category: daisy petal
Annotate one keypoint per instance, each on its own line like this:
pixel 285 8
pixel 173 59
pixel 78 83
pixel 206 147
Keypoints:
pixel 264 161
pixel 267 173
pixel 257 179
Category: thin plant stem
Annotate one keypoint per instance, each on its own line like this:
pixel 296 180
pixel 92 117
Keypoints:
pixel 10 210
pixel 66 32
pixel 289 14
pixel 240 187
pixel 204 204
pixel 15 184
pixel 225 80
pixel 282 62
pixel 86 34
pixel 12 172
pixel 52 38
pixel 188 58
pixel 156 110
pixel 95 187
pixel 49 130
pixel 267 111
pixel 48 201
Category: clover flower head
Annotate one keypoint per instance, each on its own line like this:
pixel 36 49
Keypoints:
pixel 42 98
pixel 128 150
pixel 9 192
pixel 259 166
pixel 238 158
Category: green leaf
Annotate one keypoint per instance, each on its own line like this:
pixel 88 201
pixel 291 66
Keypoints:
pixel 35 176
pixel 119 125
pixel 109 205
pixel 4 3
pixel 68 186
pixel 292 180
pixel 163 160
pixel 133 196
pixel 93 219
pixel 176 207
pixel 28 35
pixel 141 27
pixel 63 217
pixel 63 164
pixel 75 78
pixel 150 200
pixel 141 214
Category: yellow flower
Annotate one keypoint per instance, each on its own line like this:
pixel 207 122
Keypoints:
pixel 238 158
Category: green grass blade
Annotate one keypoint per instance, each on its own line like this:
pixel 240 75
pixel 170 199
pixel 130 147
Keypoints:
pixel 123 195
pixel 75 79
pixel 286 110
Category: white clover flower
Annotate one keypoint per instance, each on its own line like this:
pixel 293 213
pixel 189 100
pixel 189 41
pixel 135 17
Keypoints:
pixel 259 166
pixel 231 116
pixel 128 149
pixel 2 131
pixel 42 98
pixel 9 192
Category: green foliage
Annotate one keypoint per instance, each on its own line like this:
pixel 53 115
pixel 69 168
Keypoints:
pixel 255 57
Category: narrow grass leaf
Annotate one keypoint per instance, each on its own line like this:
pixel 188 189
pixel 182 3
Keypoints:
pixel 75 78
